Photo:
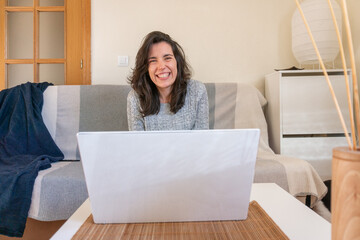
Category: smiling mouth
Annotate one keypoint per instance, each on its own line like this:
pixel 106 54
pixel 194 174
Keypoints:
pixel 163 75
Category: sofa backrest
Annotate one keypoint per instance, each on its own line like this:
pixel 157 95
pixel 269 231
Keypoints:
pixel 69 109
pixel 237 105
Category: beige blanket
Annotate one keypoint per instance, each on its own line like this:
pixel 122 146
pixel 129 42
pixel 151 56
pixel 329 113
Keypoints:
pixel 236 105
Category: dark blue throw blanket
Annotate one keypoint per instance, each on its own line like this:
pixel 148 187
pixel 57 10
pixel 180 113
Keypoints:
pixel 26 147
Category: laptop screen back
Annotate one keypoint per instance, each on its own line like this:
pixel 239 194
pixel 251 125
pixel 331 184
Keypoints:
pixel 169 175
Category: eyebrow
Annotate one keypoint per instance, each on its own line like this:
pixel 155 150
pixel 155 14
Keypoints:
pixel 166 55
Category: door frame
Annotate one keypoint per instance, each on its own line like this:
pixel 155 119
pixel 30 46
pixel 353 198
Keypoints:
pixel 82 76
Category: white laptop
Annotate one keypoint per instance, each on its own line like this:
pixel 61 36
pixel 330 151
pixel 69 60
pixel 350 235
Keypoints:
pixel 169 176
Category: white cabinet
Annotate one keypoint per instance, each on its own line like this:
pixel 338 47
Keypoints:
pixel 302 118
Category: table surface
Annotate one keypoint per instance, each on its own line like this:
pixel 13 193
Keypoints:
pixel 294 218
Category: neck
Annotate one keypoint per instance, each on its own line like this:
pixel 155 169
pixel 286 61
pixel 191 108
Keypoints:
pixel 164 96
pixel 164 99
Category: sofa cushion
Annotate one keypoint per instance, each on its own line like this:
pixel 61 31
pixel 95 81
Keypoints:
pixel 58 191
pixel 70 109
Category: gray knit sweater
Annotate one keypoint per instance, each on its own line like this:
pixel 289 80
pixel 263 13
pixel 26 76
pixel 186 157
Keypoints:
pixel 193 115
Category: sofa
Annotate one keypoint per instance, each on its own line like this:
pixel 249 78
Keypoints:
pixel 61 189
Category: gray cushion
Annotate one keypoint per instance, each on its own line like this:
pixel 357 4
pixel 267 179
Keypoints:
pixel 58 191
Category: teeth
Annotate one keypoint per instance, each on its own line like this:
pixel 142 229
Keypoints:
pixel 164 75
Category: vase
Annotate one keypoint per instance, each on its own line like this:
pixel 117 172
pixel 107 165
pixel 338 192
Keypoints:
pixel 345 194
pixel 319 18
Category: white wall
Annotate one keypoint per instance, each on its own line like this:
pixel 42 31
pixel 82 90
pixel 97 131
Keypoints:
pixel 225 41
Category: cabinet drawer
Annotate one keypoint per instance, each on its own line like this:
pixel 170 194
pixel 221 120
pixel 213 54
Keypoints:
pixel 311 148
pixel 317 151
pixel 307 106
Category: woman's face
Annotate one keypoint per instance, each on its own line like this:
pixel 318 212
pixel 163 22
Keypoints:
pixel 162 67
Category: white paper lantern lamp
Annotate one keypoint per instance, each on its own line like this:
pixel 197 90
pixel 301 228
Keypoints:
pixel 318 15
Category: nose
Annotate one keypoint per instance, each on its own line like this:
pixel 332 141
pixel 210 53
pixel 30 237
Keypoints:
pixel 161 64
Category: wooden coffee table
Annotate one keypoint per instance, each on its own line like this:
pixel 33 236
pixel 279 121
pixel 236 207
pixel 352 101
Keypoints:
pixel 295 219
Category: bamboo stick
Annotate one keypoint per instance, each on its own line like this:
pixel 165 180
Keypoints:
pixel 353 134
pixel 353 67
pixel 325 74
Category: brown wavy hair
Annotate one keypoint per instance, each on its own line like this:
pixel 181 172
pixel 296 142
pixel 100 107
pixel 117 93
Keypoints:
pixel 140 79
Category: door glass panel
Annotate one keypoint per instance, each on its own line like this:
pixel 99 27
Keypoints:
pixel 20 35
pixel 20 3
pixel 52 73
pixel 51 35
pixel 51 2
pixel 18 74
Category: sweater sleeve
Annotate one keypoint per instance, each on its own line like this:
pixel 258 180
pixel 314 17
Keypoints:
pixel 202 114
pixel 136 121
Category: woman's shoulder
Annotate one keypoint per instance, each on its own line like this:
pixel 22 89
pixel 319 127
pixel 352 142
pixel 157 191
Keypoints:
pixel 196 85
pixel 196 88
pixel 132 96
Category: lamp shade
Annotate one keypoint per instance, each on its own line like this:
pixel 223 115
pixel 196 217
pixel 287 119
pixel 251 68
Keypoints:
pixel 318 16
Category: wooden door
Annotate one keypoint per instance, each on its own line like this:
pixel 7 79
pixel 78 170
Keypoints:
pixel 44 40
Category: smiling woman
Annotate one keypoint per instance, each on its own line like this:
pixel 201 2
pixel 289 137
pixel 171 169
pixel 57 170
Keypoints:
pixel 163 95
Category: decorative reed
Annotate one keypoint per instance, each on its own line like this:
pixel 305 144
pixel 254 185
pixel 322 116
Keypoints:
pixel 345 74
pixel 353 67
pixel 356 98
